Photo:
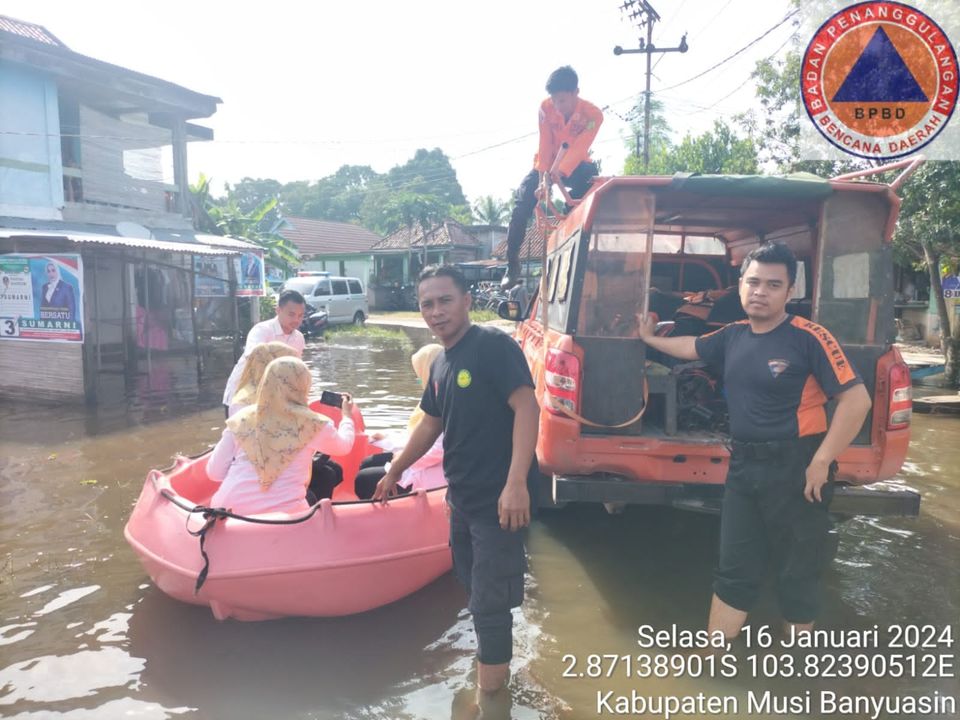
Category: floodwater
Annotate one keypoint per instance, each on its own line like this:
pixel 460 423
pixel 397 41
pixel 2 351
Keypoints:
pixel 84 634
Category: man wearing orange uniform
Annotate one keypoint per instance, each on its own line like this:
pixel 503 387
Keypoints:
pixel 564 118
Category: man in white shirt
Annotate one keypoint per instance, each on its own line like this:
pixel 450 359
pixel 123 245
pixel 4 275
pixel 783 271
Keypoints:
pixel 282 328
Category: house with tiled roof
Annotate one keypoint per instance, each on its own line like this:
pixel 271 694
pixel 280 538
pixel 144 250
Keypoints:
pixel 531 252
pixel 337 247
pixel 399 257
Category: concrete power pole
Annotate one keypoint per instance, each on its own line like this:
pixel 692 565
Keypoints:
pixel 642 13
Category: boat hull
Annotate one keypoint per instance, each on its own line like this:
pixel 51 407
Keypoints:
pixel 348 557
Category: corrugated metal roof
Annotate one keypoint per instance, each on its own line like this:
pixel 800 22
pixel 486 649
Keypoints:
pixel 227 242
pixel 323 237
pixel 29 30
pixel 162 245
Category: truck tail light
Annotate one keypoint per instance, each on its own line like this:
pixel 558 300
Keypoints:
pixel 562 381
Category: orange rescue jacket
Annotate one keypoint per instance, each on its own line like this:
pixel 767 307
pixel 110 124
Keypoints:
pixel 578 133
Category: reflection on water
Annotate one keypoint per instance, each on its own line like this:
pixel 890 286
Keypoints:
pixel 83 634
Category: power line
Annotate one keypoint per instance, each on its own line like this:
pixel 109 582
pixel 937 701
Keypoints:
pixel 702 28
pixel 749 78
pixel 731 57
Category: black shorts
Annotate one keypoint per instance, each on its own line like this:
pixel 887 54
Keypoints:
pixel 766 520
pixel 490 562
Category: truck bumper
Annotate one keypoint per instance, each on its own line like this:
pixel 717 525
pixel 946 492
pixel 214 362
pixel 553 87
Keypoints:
pixel 878 499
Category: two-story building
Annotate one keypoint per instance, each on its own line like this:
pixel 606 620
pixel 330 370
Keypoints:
pixel 101 271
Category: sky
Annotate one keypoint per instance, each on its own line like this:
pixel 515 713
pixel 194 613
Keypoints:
pixel 308 87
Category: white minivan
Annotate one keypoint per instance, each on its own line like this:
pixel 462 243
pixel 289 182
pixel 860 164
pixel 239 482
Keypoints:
pixel 343 298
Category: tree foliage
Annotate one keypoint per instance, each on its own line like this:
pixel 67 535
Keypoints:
pixel 226 217
pixel 929 232
pixel 425 185
pixel 719 150
pixel 488 210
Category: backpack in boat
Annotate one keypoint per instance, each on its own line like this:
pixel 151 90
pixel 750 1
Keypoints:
pixel 325 475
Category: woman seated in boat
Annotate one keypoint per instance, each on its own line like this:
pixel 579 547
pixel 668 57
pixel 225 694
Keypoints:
pixel 257 362
pixel 264 457
pixel 425 473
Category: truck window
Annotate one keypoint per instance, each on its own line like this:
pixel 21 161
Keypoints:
pixel 854 296
pixel 613 284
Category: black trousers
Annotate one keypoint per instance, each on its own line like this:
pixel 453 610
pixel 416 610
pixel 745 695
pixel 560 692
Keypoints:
pixel 525 200
pixel 490 563
pixel 765 521
pixel 371 470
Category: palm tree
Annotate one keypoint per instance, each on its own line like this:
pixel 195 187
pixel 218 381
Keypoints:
pixel 491 211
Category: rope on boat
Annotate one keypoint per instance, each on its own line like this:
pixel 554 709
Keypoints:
pixel 212 514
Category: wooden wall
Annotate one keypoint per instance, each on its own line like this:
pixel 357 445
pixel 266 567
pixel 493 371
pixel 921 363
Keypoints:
pixel 41 370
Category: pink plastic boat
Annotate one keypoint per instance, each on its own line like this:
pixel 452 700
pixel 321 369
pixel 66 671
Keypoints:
pixel 348 557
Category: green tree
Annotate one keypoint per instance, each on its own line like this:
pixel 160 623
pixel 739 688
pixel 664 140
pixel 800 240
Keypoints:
pixel 225 217
pixel 428 172
pixel 488 210
pixel 339 196
pixel 250 193
pixel 660 143
pixel 717 151
pixel 427 180
pixel 929 233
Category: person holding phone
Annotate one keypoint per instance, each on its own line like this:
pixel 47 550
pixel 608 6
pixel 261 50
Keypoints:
pixel 264 456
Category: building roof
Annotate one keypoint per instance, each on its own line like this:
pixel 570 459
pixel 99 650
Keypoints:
pixel 449 233
pixel 102 85
pixel 159 238
pixel 323 237
pixel 532 244
pixel 29 30
pixel 192 248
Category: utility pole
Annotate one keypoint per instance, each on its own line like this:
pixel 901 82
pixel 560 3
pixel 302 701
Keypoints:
pixel 642 13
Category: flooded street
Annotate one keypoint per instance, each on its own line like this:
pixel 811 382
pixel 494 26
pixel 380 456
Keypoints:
pixel 84 634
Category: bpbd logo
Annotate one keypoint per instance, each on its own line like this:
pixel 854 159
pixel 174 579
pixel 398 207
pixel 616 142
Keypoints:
pixel 879 80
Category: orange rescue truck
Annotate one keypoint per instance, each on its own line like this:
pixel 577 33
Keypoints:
pixel 622 424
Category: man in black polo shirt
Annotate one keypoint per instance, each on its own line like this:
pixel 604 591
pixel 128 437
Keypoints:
pixel 480 395
pixel 779 371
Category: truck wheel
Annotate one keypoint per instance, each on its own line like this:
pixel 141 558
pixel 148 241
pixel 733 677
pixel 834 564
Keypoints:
pixel 359 319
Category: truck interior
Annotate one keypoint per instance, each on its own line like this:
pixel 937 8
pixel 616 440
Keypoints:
pixel 675 250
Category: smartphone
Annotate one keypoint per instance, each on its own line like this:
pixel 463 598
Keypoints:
pixel 331 398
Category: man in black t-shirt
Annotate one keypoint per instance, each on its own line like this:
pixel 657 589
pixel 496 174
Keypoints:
pixel 480 395
pixel 779 371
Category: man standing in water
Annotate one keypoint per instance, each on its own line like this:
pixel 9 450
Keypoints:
pixel 778 372
pixel 480 395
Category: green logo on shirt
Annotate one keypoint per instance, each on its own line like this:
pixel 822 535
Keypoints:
pixel 464 378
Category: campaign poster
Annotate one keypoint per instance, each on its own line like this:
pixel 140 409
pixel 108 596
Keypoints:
pixel 211 276
pixel 249 269
pixel 41 297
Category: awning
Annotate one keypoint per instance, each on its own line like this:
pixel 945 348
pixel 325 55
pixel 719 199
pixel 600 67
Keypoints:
pixel 114 240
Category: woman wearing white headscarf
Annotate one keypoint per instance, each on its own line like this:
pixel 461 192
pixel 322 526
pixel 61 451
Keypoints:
pixel 425 473
pixel 264 457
